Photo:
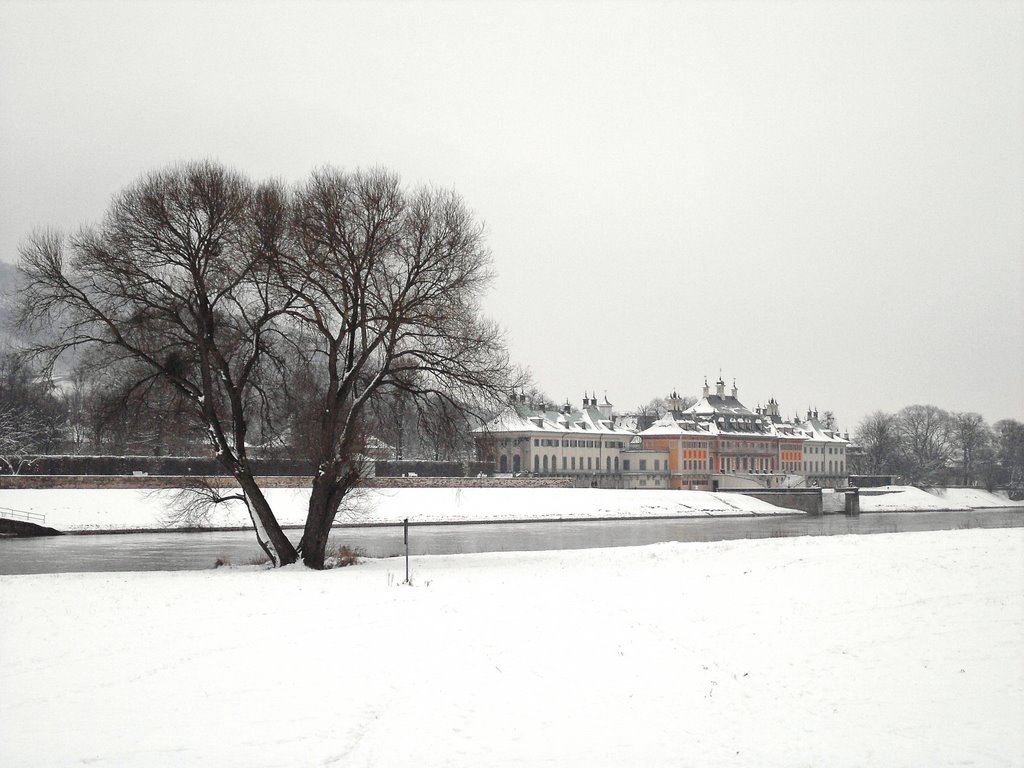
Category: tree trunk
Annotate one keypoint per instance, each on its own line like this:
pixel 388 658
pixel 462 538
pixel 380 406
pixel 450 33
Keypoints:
pixel 283 553
pixel 324 503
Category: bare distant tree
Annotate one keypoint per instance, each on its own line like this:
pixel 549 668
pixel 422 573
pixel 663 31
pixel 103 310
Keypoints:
pixel 926 446
pixel 658 407
pixel 1010 440
pixel 878 437
pixel 971 440
pixel 31 416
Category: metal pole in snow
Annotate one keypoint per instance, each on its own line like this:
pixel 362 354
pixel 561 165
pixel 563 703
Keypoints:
pixel 405 527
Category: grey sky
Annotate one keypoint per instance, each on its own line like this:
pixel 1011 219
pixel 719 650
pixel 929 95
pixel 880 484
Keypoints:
pixel 823 200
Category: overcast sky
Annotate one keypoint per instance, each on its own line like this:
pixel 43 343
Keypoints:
pixel 824 200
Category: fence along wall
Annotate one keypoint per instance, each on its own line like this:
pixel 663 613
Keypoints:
pixel 207 466
pixel 16 482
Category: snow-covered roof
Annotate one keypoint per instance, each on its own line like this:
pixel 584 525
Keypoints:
pixel 718 404
pixel 813 429
pixel 668 426
pixel 716 416
pixel 520 417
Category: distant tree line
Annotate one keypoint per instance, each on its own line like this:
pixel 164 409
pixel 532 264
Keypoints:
pixel 93 411
pixel 926 445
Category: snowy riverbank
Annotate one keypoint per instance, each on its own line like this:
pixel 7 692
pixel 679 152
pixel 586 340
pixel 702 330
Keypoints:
pixel 132 509
pixel 894 649
pixel 119 509
pixel 902 498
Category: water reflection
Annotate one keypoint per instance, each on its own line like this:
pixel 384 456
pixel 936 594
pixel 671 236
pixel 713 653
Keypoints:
pixel 194 551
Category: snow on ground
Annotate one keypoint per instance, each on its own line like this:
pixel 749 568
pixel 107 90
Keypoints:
pixel 893 649
pixel 126 509
pixel 114 509
pixel 900 498
pixel 974 498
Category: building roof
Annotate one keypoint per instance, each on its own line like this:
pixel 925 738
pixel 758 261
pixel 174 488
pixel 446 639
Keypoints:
pixel 521 417
pixel 814 430
pixel 712 416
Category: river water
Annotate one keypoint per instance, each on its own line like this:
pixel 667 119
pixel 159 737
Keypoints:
pixel 195 551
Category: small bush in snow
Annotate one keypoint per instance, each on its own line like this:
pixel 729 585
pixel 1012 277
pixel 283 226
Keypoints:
pixel 342 556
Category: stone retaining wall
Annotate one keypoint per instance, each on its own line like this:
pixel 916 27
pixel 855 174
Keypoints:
pixel 176 481
pixel 803 499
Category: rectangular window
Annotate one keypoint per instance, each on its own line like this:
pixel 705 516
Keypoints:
pixel 625 465
pixel 656 467
pixel 643 464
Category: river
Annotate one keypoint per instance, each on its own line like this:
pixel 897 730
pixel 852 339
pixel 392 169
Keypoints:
pixel 196 551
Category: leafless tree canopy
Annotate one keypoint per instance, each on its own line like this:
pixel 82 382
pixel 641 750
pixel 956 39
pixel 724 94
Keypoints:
pixel 388 285
pixel 262 305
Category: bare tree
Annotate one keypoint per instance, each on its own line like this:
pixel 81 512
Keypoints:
pixel 193 504
pixel 1010 440
pixel 925 442
pixel 878 437
pixel 178 281
pixel 215 286
pixel 658 407
pixel 388 284
pixel 31 416
pixel 971 439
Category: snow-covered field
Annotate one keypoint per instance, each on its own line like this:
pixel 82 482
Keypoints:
pixel 114 509
pixel 889 650
pixel 900 498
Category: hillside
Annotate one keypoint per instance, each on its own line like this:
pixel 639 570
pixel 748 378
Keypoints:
pixel 8 284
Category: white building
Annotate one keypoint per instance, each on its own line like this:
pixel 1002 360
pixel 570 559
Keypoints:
pixel 583 443
pixel 717 442
pixel 824 453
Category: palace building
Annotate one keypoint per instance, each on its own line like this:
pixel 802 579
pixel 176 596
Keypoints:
pixel 581 443
pixel 716 443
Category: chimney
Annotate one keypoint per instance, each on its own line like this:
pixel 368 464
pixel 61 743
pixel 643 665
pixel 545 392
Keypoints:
pixel 735 391
pixel 706 390
pixel 720 387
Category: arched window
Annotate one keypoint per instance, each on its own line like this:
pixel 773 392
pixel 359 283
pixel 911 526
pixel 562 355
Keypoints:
pixel 608 464
pixel 503 464
pixel 536 463
pixel 516 464
pixel 588 462
pixel 545 463
pixel 616 463
pixel 573 464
